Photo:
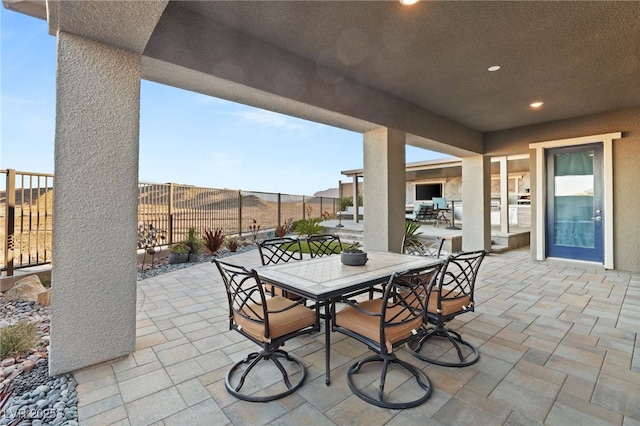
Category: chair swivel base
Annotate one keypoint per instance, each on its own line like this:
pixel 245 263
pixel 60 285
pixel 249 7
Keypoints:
pixel 253 359
pixel 467 353
pixel 421 379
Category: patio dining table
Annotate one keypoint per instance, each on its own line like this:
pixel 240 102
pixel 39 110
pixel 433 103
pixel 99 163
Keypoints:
pixel 326 279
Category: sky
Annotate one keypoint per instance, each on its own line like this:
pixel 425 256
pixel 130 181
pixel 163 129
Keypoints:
pixel 185 137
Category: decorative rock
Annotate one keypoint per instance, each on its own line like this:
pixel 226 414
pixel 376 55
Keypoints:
pixel 28 365
pixel 7 362
pixel 43 389
pixel 44 298
pixel 27 289
pixel 34 358
pixel 8 370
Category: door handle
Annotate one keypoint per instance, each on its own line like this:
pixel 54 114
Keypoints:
pixel 598 216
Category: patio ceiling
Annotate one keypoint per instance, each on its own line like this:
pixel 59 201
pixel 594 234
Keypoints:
pixel 359 65
pixel 578 57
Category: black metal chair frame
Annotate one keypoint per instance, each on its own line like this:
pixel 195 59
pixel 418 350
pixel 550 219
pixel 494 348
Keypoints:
pixel 247 299
pixel 280 250
pixel 440 213
pixel 425 246
pixel 401 304
pixel 455 282
pixel 324 245
pixel 277 250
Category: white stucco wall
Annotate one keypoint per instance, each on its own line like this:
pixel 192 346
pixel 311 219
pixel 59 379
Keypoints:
pixel 96 169
pixel 384 172
pixel 476 186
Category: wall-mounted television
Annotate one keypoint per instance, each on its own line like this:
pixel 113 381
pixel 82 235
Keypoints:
pixel 426 191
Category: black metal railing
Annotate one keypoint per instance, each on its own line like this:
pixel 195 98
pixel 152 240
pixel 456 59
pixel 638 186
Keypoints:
pixel 165 213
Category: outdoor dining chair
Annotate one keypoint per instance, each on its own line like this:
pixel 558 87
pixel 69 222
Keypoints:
pixel 423 246
pixel 268 322
pixel 450 295
pixel 279 250
pixel 324 245
pixel 383 325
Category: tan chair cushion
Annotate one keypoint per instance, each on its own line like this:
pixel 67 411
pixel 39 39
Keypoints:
pixel 450 305
pixel 280 323
pixel 369 326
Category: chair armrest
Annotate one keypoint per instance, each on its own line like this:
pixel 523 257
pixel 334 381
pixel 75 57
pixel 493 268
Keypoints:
pixel 356 306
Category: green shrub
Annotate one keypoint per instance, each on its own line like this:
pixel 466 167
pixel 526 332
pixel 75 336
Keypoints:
pixel 348 202
pixel 179 248
pixel 194 242
pixel 17 338
pixel 410 228
pixel 308 227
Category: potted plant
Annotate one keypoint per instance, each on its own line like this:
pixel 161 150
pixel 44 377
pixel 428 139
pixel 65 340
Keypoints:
pixel 179 253
pixel 353 255
pixel 195 244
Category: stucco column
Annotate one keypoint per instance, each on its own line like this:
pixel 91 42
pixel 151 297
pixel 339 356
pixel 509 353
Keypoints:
pixel 356 193
pixel 476 213
pixel 384 189
pixel 504 195
pixel 96 171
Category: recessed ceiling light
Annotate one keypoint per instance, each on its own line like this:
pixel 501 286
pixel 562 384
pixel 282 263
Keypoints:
pixel 537 104
pixel 493 68
pixel 408 2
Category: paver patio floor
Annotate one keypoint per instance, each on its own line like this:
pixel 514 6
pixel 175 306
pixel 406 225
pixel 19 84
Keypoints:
pixel 559 345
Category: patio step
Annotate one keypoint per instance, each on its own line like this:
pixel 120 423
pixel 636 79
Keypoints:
pixel 345 234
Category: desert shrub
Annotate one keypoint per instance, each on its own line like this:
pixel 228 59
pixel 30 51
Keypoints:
pixel 284 229
pixel 195 243
pixel 232 244
pixel 17 338
pixel 411 228
pixel 214 239
pixel 308 226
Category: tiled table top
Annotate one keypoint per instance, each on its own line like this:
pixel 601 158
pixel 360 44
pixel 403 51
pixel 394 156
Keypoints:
pixel 325 276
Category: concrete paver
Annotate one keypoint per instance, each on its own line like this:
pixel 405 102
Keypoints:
pixel 558 345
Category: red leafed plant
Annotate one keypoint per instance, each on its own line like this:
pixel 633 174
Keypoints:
pixel 214 240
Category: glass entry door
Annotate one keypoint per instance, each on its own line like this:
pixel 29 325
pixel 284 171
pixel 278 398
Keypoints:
pixel 574 203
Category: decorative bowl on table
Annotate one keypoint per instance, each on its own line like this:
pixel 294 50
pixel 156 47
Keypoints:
pixel 353 255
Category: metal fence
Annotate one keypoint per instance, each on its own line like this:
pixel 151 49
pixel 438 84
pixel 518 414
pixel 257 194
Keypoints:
pixel 165 213
pixel 26 219
pixel 170 210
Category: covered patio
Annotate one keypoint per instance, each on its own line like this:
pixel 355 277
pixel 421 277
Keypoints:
pixel 558 345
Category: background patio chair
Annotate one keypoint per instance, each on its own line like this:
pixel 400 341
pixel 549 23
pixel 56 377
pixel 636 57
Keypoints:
pixel 268 322
pixel 423 246
pixel 450 295
pixel 425 213
pixel 279 250
pixel 440 207
pixel 324 245
pixel 384 324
